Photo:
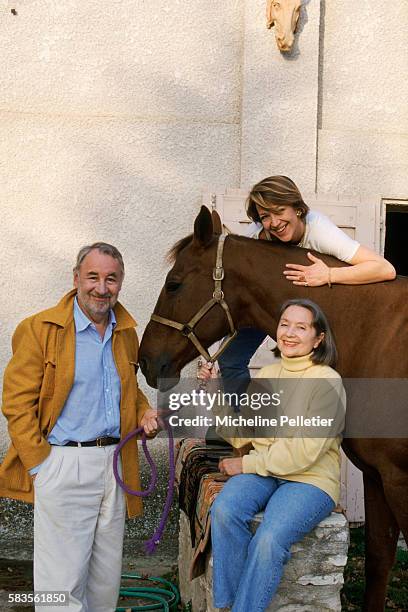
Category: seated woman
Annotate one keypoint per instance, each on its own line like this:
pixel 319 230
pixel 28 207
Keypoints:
pixel 276 207
pixel 295 481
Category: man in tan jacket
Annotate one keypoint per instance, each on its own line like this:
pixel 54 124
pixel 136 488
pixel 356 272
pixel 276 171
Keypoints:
pixel 70 393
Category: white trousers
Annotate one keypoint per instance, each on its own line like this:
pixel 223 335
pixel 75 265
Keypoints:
pixel 79 518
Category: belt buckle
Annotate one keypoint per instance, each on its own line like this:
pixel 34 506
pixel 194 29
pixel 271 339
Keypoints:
pixel 99 442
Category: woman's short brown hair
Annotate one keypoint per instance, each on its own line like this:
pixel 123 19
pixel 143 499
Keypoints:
pixel 275 191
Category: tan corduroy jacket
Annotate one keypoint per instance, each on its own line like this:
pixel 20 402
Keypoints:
pixel 37 382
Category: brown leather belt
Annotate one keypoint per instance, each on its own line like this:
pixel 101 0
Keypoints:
pixel 106 441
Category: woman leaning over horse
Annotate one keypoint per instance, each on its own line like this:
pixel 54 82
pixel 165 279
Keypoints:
pixel 294 480
pixel 278 212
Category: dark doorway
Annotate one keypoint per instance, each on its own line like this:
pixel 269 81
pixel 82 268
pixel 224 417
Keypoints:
pixel 396 237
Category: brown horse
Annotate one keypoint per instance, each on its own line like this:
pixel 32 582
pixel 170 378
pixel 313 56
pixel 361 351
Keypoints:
pixel 370 324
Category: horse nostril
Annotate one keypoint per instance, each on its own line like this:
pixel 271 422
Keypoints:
pixel 163 369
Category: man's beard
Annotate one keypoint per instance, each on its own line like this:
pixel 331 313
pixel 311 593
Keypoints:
pixel 95 307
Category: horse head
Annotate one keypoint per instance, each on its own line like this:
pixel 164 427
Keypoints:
pixel 284 15
pixel 189 286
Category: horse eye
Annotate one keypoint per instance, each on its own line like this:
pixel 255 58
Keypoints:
pixel 172 286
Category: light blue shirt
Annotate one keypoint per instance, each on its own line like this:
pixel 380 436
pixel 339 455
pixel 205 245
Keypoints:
pixel 92 407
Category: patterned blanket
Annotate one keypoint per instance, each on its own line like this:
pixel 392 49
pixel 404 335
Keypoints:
pixel 198 482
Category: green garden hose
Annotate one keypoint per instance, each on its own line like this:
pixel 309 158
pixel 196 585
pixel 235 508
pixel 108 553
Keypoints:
pixel 164 597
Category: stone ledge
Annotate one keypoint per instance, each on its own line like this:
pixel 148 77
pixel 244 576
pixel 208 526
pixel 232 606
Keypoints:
pixel 312 580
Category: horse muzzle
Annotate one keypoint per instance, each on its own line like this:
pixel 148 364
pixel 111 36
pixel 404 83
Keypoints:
pixel 285 43
pixel 159 373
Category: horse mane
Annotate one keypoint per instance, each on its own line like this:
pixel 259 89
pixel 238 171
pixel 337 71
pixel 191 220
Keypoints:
pixel 178 247
pixel 181 244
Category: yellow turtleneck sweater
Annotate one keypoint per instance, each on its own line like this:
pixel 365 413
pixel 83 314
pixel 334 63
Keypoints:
pixel 300 458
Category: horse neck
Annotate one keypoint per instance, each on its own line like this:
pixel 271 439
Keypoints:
pixel 255 288
pixel 256 267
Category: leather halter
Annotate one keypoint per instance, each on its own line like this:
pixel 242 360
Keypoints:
pixel 187 329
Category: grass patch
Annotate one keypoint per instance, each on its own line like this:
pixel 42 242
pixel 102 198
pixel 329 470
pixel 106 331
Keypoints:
pixel 353 590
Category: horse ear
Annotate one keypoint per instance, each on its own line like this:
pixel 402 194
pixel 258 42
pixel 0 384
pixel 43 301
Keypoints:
pixel 203 227
pixel 216 220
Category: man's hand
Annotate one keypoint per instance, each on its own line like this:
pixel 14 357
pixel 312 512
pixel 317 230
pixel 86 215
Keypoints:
pixel 315 275
pixel 231 466
pixel 206 370
pixel 149 421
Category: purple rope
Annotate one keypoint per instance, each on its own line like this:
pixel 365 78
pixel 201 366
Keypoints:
pixel 150 545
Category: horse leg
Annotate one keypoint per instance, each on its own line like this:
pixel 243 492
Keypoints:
pixel 395 481
pixel 381 535
pixel 396 492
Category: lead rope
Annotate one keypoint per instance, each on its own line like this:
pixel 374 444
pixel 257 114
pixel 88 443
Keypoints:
pixel 153 541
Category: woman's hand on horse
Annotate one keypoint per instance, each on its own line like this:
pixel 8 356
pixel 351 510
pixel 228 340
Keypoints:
pixel 315 275
pixel 232 466
pixel 149 421
pixel 205 371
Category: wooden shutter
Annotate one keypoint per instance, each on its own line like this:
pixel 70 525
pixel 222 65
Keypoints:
pixel 358 216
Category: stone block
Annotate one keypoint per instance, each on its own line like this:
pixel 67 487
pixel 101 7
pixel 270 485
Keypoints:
pixel 312 579
pixel 190 590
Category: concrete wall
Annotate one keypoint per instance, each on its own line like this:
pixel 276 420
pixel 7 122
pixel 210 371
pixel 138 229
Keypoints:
pixel 363 118
pixel 112 117
pixel 332 114
pixel 279 116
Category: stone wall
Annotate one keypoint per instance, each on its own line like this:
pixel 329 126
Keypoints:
pixel 312 579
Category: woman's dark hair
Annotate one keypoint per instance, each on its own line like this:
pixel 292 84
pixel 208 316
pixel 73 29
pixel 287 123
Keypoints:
pixel 326 352
pixel 275 191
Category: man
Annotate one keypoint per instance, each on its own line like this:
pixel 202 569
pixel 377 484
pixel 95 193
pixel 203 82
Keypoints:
pixel 70 393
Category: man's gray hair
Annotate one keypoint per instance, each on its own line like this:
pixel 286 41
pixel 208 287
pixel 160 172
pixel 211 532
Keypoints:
pixel 102 247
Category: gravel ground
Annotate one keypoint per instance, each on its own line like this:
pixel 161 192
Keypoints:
pixel 17 575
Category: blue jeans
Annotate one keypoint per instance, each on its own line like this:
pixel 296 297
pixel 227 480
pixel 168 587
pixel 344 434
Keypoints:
pixel 248 568
pixel 235 359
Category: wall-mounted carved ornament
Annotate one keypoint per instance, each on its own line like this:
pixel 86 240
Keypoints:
pixel 284 15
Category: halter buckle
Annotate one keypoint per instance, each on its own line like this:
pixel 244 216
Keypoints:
pixel 186 331
pixel 218 273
